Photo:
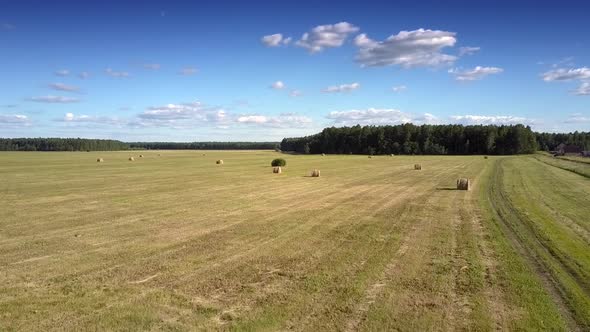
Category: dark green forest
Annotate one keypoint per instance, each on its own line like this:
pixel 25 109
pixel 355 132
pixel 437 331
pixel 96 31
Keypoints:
pixel 431 139
pixel 400 139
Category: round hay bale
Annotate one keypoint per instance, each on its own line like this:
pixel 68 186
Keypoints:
pixel 418 167
pixel 392 155
pixel 140 156
pixel 277 170
pixel 463 184
pixel 315 173
pixel 159 154
pixel 99 160
pixel 323 154
pixel 485 157
pixel 219 162
pixel 131 159
pixel 370 157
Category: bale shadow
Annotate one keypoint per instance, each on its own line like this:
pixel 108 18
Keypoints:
pixel 447 188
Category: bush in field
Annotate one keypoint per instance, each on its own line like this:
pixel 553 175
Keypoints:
pixel 278 162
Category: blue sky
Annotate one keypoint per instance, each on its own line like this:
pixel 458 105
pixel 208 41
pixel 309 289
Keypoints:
pixel 228 70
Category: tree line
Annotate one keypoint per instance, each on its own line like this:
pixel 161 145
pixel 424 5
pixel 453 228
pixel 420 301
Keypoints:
pixel 412 139
pixel 83 144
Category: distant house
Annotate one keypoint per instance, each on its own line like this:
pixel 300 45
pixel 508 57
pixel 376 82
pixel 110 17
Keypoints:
pixel 586 153
pixel 563 149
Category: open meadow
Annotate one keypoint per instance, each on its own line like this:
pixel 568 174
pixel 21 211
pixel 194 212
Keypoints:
pixel 173 241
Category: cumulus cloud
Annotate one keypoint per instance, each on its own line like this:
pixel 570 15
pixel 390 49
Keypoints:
pixel 474 74
pixel 283 120
pixel 398 88
pixel 188 71
pixel 582 90
pixel 417 48
pixel 184 115
pixel 92 119
pixel 84 75
pixel 326 36
pixel 342 88
pixel 275 40
pixel 371 116
pixel 151 66
pixel 117 74
pixel 490 120
pixel 576 118
pixel 13 119
pixel 54 99
pixel 64 87
pixel 278 85
pixel 468 50
pixel 62 72
pixel 563 74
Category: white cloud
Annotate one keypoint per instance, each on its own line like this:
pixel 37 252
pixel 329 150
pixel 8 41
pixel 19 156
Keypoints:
pixel 54 99
pixel 295 93
pixel 62 72
pixel 278 85
pixel 188 71
pixel 583 89
pixel 490 120
pixel 117 74
pixel 468 50
pixel 342 88
pixel 92 119
pixel 577 118
pixel 84 75
pixel 399 88
pixel 418 48
pixel 283 120
pixel 64 87
pixel 474 74
pixel 326 36
pixel 371 116
pixel 275 40
pixel 563 74
pixel 151 66
pixel 185 115
pixel 13 119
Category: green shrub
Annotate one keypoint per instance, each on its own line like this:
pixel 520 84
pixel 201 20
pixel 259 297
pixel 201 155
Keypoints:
pixel 278 162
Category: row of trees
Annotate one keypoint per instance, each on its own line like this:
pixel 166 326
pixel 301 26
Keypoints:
pixel 549 141
pixel 205 145
pixel 60 144
pixel 412 139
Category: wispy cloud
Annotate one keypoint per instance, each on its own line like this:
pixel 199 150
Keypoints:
pixel 474 74
pixel 62 72
pixel 583 89
pixel 326 36
pixel 564 74
pixel 417 48
pixel 92 119
pixel 490 119
pixel 64 87
pixel 577 118
pixel 295 93
pixel 188 71
pixel 117 74
pixel 278 85
pixel 342 88
pixel 468 50
pixel 84 75
pixel 275 40
pixel 378 116
pixel 152 66
pixel 14 119
pixel 399 88
pixel 54 99
pixel 290 120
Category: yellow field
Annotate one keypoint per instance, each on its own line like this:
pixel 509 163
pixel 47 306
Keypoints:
pixel 176 242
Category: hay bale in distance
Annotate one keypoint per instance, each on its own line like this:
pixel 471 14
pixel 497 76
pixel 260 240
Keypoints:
pixel 131 159
pixel 277 170
pixel 315 173
pixel 418 167
pixel 99 160
pixel 140 156
pixel 463 184
pixel 219 162
pixel 485 157
pixel 370 157
pixel 323 154
pixel 392 155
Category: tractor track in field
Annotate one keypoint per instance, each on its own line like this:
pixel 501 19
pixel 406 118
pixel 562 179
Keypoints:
pixel 499 202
